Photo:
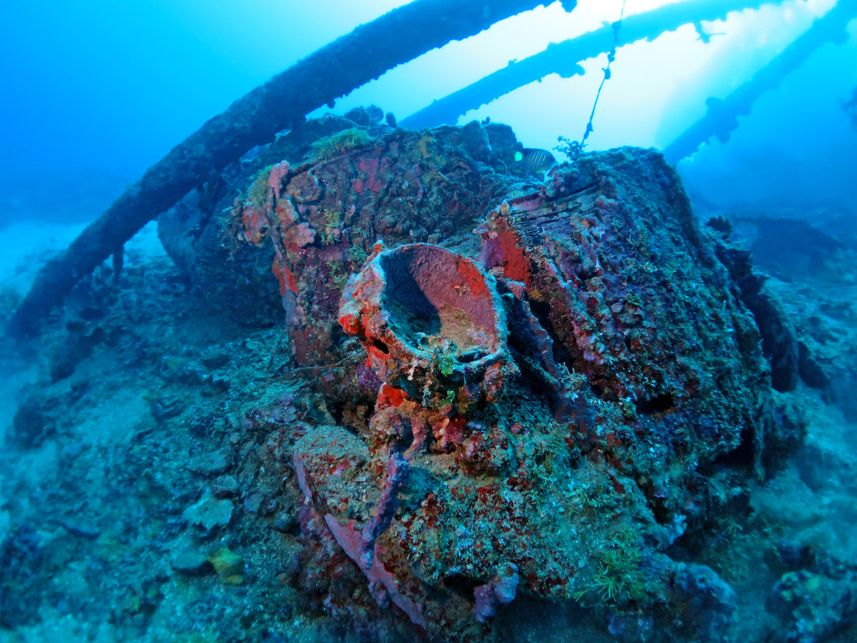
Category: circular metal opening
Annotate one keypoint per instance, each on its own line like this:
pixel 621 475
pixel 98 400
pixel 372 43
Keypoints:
pixel 437 299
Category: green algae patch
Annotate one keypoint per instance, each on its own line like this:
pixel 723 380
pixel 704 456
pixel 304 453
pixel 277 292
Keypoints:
pixel 228 565
pixel 340 143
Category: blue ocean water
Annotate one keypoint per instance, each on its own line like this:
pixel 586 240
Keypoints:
pixel 230 415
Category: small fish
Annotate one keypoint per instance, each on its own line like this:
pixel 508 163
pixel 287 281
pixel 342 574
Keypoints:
pixel 535 161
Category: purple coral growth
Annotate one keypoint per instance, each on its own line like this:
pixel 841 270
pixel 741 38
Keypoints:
pixel 397 472
pixel 351 541
pixel 361 545
pixel 500 590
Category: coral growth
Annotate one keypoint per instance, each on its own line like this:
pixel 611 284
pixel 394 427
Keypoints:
pixel 559 455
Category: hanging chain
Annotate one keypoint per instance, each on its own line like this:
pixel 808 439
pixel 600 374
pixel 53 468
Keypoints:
pixel 611 56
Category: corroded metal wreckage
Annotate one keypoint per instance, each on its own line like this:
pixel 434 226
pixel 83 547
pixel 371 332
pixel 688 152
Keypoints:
pixel 432 325
pixel 535 402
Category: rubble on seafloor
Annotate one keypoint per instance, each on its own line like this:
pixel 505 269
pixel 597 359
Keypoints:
pixel 432 395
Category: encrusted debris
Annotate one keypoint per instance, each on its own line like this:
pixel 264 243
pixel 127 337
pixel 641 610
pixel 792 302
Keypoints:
pixel 468 405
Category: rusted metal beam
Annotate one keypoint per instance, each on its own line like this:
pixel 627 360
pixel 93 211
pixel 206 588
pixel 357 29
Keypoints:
pixel 563 58
pixel 721 119
pixel 333 71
